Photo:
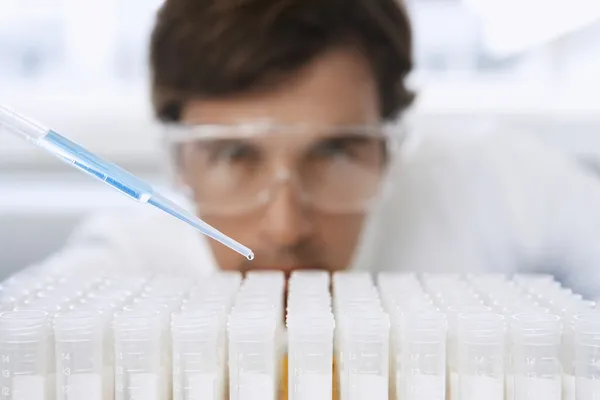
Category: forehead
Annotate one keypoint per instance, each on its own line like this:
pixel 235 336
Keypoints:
pixel 337 88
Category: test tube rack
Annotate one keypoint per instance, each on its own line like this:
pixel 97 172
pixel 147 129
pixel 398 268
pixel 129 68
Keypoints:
pixel 348 336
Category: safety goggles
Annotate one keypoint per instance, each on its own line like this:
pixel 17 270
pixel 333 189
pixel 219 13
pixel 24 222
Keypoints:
pixel 235 169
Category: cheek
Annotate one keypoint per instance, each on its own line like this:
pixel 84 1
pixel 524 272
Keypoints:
pixel 242 229
pixel 238 227
pixel 339 235
pixel 341 226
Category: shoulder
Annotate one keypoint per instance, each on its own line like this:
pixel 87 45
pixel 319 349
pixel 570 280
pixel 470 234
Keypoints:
pixel 504 147
pixel 467 196
pixel 514 162
pixel 145 238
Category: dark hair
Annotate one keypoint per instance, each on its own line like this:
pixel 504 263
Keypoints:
pixel 215 48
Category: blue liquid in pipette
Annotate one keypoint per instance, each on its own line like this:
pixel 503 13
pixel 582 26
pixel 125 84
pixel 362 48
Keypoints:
pixel 111 174
pixel 127 184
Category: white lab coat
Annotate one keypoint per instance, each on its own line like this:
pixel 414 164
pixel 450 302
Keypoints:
pixel 455 203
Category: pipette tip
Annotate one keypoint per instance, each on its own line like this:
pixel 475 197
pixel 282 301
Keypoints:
pixel 250 256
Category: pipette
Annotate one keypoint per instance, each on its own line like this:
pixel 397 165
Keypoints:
pixel 107 172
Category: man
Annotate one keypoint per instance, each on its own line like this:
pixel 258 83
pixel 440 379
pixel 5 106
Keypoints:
pixel 284 120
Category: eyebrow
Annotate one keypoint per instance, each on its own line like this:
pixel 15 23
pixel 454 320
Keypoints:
pixel 216 142
pixel 322 136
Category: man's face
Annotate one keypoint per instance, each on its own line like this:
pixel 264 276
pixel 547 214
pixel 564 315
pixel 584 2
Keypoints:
pixel 285 231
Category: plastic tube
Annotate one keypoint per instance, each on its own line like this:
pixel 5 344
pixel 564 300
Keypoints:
pixel 535 370
pixel 80 356
pixel 422 371
pixel 165 348
pixel 198 356
pixel 481 345
pixel 398 323
pixel 534 279
pixel 587 356
pixel 310 356
pixel 106 308
pixel 51 308
pixel 568 348
pixel 568 358
pixel 362 339
pixel 401 294
pixel 252 355
pixel 365 350
pixel 23 349
pixel 254 332
pixel 311 326
pixel 452 347
pixel 139 373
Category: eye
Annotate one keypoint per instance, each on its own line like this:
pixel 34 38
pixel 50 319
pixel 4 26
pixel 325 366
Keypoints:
pixel 349 146
pixel 232 152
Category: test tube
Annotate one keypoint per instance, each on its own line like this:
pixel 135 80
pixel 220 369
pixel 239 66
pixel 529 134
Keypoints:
pixel 80 356
pixel 107 307
pixel 587 356
pixel 568 357
pixel 527 280
pixel 252 355
pixel 568 311
pixel 361 342
pixel 486 278
pixel 319 275
pixel 138 369
pixel 51 309
pixel 164 310
pixel 569 315
pixel 441 279
pixel 310 355
pixel 23 349
pixel 365 354
pixel 398 324
pixel 399 288
pixel 421 374
pixel 458 299
pixel 452 313
pixel 535 368
pixel 481 356
pixel 525 308
pixel 198 356
pixel 310 336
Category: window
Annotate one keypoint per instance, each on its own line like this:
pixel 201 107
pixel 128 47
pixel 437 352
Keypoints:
pixel 69 43
pixel 480 40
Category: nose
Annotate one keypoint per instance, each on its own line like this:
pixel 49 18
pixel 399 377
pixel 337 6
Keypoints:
pixel 286 220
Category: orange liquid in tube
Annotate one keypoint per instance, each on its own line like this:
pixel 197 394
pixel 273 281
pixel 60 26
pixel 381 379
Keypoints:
pixel 283 388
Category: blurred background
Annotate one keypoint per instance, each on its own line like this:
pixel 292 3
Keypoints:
pixel 81 67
